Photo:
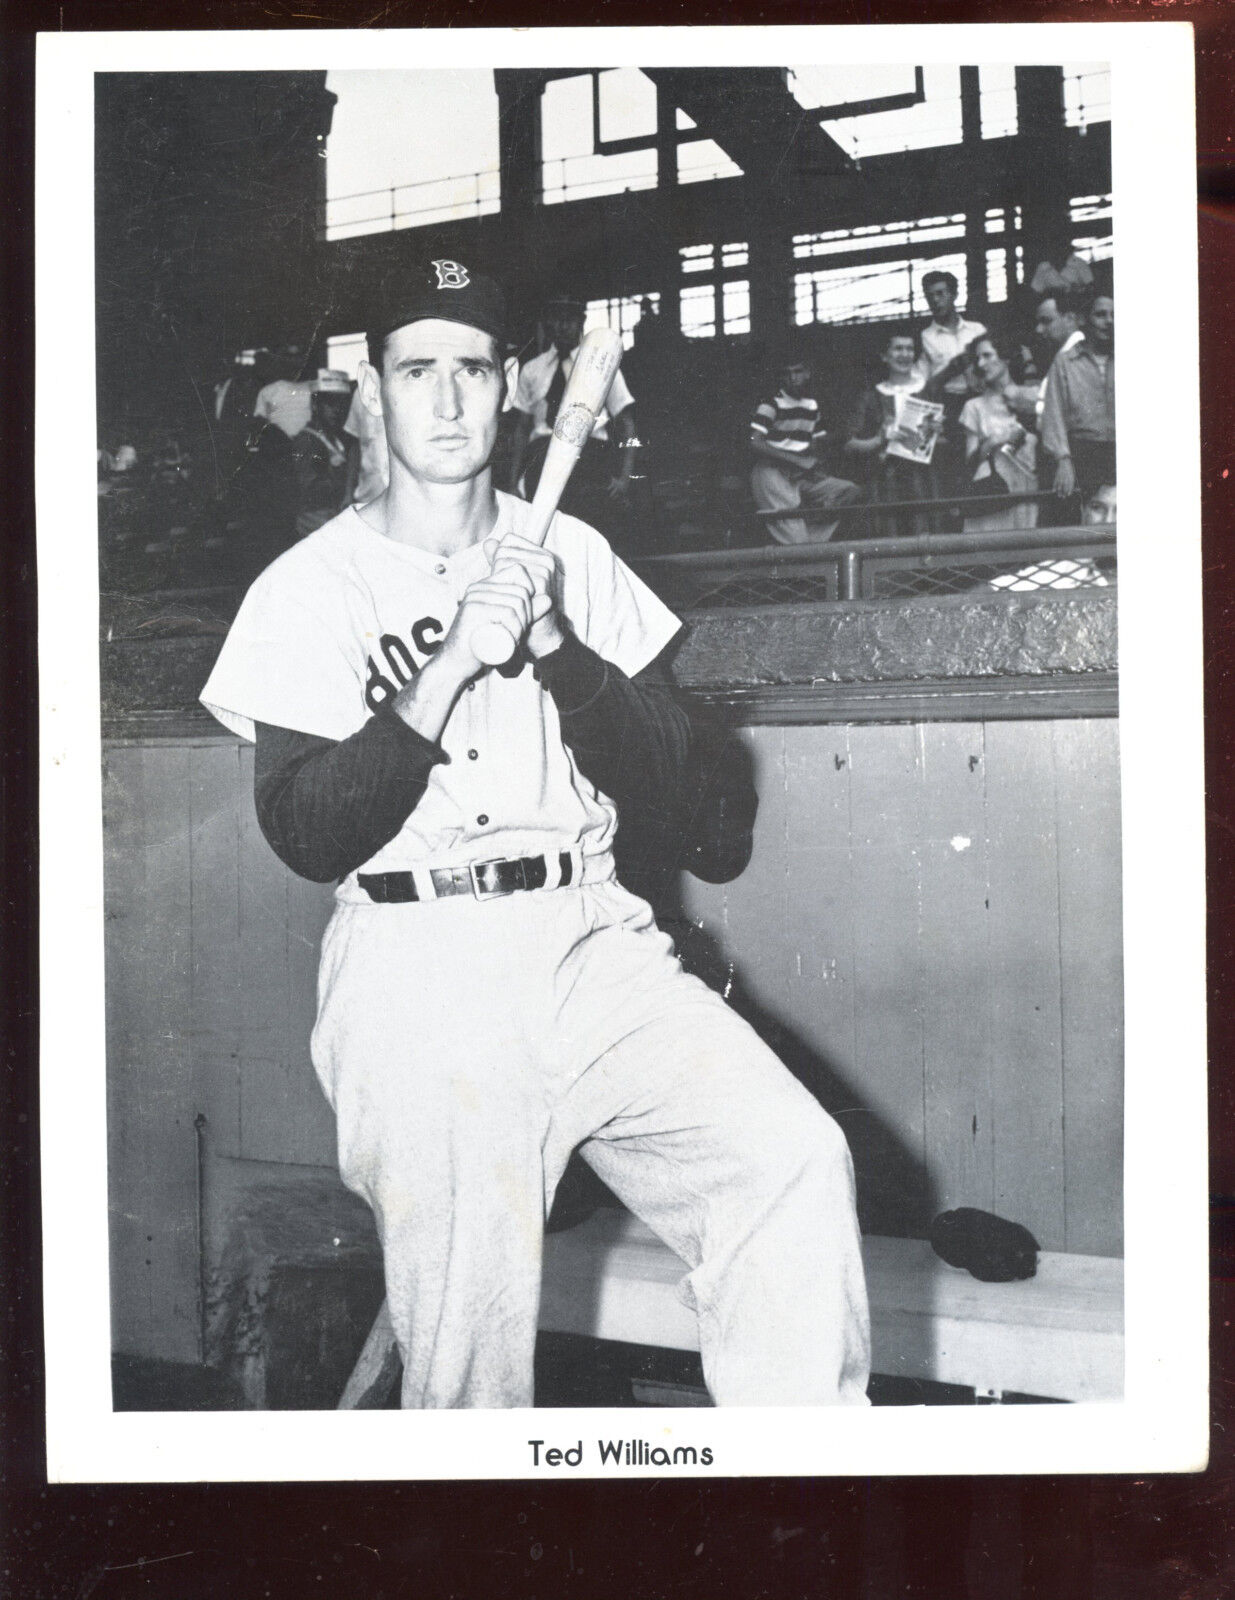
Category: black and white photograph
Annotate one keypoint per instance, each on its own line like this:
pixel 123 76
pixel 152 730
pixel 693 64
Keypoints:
pixel 634 853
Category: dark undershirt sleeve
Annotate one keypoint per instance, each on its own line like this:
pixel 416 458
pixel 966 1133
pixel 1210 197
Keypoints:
pixel 327 807
pixel 629 736
pixel 683 786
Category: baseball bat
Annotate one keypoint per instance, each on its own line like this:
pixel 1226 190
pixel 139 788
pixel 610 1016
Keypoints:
pixel 586 390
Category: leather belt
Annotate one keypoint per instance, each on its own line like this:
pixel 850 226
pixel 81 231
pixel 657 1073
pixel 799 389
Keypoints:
pixel 482 879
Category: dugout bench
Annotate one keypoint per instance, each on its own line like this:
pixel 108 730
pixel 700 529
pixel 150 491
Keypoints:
pixel 1058 1335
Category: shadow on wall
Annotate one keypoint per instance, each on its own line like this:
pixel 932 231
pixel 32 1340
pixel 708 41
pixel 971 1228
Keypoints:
pixel 895 1192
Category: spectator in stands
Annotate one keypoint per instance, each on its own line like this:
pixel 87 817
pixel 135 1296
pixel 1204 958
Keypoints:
pixel 601 481
pixel 874 428
pixel 114 465
pixel 787 436
pixel 1025 386
pixel 319 453
pixel 1059 266
pixel 652 368
pixel 368 457
pixel 944 360
pixel 1058 321
pixel 235 400
pixel 1078 415
pixel 1093 474
pixel 121 503
pixel 264 488
pixel 1000 451
pixel 287 401
pixel 170 465
pixel 1023 365
pixel 1057 324
pixel 946 338
pixel 264 493
pixel 1099 508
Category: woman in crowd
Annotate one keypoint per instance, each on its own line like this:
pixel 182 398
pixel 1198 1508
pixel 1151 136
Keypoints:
pixel 876 427
pixel 1000 451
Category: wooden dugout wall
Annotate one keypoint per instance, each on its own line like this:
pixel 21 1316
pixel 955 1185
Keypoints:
pixel 930 927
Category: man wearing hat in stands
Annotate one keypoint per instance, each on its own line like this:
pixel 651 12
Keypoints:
pixel 320 452
pixel 600 483
pixel 490 997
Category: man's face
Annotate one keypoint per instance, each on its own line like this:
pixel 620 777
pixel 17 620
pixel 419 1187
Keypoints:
pixel 441 391
pixel 1100 323
pixel 1054 325
pixel 941 298
pixel 565 326
pixel 796 378
pixel 332 409
pixel 899 355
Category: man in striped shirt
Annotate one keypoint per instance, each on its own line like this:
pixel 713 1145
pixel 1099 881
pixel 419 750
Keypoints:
pixel 786 434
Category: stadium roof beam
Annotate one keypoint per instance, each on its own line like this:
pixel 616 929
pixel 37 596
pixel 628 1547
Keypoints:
pixel 753 116
pixel 884 102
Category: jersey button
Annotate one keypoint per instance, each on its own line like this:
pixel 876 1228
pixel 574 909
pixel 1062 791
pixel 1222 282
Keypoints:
pixel 440 569
pixel 473 755
pixel 482 819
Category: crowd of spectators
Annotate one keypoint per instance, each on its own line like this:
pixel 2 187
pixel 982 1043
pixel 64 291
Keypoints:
pixel 148 497
pixel 277 456
pixel 963 412
pixel 298 460
pixel 962 425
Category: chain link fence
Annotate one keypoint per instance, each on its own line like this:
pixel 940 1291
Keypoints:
pixel 925 565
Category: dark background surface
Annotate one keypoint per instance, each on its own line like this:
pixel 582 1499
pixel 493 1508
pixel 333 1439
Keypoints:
pixel 1165 1538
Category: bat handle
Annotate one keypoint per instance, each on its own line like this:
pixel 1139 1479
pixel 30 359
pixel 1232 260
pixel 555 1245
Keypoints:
pixel 493 645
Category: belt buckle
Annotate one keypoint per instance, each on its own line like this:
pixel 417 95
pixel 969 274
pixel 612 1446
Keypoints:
pixel 483 891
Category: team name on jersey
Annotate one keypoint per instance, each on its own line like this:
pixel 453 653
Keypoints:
pixel 401 664
pixel 399 661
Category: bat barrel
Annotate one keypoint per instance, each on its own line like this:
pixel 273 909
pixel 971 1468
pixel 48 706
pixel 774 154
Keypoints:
pixel 587 388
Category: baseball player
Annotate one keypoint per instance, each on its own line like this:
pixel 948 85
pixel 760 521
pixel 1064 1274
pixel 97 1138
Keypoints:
pixel 490 997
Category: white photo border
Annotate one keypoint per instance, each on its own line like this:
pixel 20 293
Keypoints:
pixel 1162 1423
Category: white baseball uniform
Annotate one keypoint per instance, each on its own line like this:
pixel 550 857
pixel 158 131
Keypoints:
pixel 468 1044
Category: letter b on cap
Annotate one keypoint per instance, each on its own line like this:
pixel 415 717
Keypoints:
pixel 450 274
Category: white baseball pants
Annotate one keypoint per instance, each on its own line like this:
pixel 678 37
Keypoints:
pixel 469 1046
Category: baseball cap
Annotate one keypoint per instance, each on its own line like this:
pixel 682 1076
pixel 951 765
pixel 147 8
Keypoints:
pixel 447 289
pixel 330 380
